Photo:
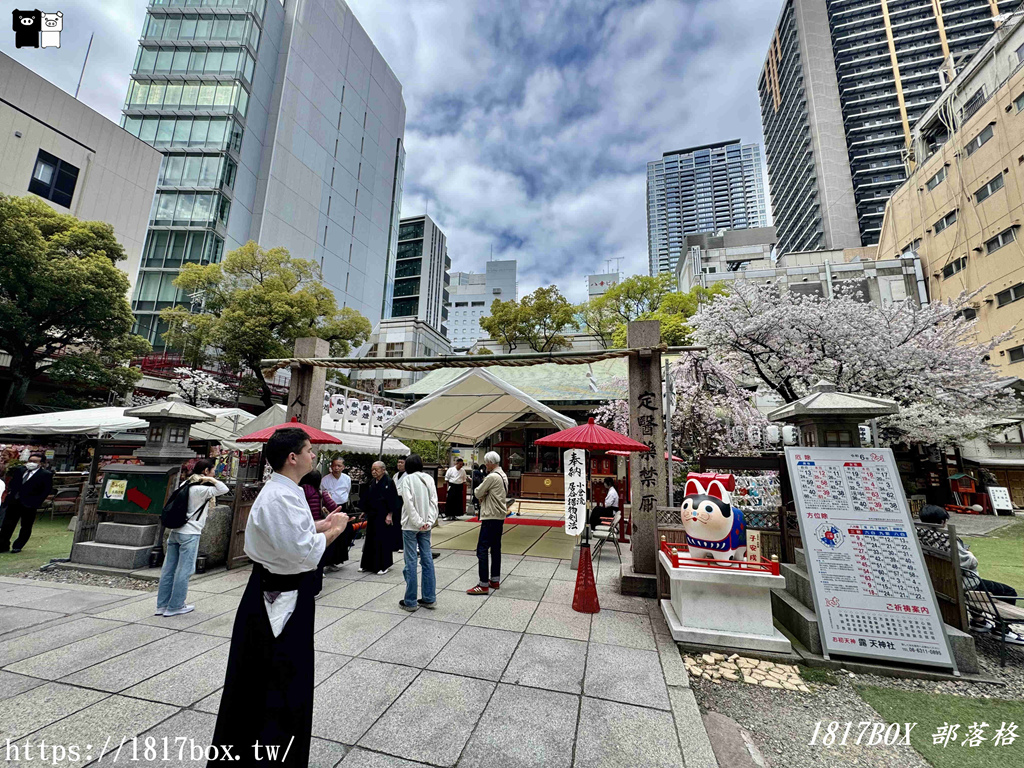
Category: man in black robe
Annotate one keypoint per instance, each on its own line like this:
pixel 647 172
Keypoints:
pixel 266 709
pixel 381 506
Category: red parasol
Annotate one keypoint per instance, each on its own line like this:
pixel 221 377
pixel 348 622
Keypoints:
pixel 316 436
pixel 676 459
pixel 593 437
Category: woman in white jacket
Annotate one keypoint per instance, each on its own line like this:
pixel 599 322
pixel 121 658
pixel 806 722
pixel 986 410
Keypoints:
pixel 419 514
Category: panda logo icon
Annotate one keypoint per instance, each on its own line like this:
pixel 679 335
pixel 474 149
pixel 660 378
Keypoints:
pixel 53 24
pixel 27 26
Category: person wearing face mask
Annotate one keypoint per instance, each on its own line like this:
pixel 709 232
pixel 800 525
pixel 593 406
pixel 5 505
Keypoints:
pixel 30 485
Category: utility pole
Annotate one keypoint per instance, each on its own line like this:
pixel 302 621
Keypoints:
pixel 87 50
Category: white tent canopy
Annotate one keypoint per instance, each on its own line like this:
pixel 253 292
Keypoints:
pixel 468 409
pixel 351 442
pixel 91 422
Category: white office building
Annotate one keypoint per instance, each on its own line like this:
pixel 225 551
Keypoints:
pixel 472 294
pixel 78 161
pixel 280 123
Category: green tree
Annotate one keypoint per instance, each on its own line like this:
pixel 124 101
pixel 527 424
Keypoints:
pixel 484 351
pixel 538 321
pixel 674 312
pixel 255 304
pixel 63 301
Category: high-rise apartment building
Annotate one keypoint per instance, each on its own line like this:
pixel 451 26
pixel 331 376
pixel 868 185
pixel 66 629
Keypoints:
pixel 702 189
pixel 421 274
pixel 471 297
pixel 842 85
pixel 280 123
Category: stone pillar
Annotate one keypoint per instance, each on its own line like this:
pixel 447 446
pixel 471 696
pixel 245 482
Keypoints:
pixel 306 393
pixel 646 425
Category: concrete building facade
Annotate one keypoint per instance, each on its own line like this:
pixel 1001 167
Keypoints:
pixel 79 162
pixel 734 250
pixel 400 337
pixel 702 189
pixel 843 82
pixel 422 273
pixel 961 209
pixel 280 123
pixel 472 294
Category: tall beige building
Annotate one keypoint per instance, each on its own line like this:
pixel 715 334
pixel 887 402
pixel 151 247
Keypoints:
pixel 961 208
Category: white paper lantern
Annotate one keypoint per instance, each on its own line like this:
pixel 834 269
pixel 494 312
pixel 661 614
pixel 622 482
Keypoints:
pixel 337 407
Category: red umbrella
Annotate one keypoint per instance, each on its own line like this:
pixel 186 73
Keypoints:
pixel 316 436
pixel 593 437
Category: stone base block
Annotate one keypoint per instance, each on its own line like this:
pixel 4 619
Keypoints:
pixel 798 619
pixel 637 584
pixel 773 643
pixel 126 534
pixel 111 555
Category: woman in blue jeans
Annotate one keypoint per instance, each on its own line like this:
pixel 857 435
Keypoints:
pixel 419 513
pixel 183 543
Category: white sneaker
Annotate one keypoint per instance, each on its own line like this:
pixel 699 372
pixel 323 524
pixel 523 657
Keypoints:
pixel 381 573
pixel 1012 638
pixel 363 570
pixel 159 611
pixel 180 611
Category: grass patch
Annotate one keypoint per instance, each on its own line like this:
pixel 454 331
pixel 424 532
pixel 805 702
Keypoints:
pixel 1001 556
pixel 50 538
pixel 933 710
pixel 817 675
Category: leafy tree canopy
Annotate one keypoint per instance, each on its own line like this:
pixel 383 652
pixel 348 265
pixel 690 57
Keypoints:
pixel 255 304
pixel 63 301
pixel 537 321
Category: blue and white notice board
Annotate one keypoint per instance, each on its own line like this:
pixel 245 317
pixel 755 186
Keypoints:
pixel 870 584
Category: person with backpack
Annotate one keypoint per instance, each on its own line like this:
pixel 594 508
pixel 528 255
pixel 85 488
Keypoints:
pixel 185 514
pixel 492 492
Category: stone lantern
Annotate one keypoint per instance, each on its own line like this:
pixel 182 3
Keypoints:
pixel 827 418
pixel 170 421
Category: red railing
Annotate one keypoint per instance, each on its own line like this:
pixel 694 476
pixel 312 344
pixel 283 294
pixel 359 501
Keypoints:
pixel 678 560
pixel 162 364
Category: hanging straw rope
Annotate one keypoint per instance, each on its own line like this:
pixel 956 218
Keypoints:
pixel 465 361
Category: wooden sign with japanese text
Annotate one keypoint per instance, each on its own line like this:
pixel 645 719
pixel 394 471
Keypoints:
pixel 574 461
pixel 871 588
pixel 1000 498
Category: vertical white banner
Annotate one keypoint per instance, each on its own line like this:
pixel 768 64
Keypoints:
pixel 574 460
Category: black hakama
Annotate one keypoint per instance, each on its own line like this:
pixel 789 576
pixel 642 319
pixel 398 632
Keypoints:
pixel 268 688
pixel 378 543
pixel 455 501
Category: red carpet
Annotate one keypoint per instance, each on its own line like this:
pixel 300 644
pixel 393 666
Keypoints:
pixel 550 523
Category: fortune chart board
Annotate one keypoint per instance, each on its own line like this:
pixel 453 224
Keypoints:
pixel 870 584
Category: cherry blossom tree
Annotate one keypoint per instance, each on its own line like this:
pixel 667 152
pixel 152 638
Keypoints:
pixel 200 388
pixel 926 358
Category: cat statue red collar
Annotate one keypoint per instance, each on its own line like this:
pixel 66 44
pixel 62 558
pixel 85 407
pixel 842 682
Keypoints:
pixel 714 527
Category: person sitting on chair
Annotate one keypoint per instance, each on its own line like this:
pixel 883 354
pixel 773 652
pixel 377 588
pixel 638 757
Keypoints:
pixel 610 508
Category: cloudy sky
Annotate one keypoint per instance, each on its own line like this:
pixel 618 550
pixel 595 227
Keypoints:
pixel 530 123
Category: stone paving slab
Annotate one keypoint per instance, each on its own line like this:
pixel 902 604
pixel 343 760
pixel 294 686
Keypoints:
pixel 24 594
pixel 206 607
pixel 349 702
pixel 13 618
pixel 693 735
pixel 628 675
pixel 444 577
pixel 477 652
pixel 466 580
pixel 354 633
pixel 631 630
pixel 26 712
pixel 128 669
pixel 186 683
pixel 552 663
pixel 453 606
pixel 327 615
pixel 12 684
pixel 364 758
pixel 65 660
pixel 388 602
pixel 613 735
pixel 218 626
pixel 197 726
pixel 535 569
pixel 75 601
pixel 42 640
pixel 672 665
pixel 522 588
pixel 559 592
pixel 524 728
pixel 414 642
pixel 115 718
pixel 504 613
pixel 432 720
pixel 355 595
pixel 555 621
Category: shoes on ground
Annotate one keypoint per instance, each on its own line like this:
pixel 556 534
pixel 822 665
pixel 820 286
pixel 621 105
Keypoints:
pixel 477 590
pixel 409 608
pixel 1012 637
pixel 425 604
pixel 15 551
pixel 181 611
pixel 381 573
pixel 332 568
pixel 363 570
pixel 982 626
pixel 435 555
pixel 159 611
pixel 494 584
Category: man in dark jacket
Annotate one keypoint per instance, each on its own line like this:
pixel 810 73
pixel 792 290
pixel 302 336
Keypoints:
pixel 381 505
pixel 30 485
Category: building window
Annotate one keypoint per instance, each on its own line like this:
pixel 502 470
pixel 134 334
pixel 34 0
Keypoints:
pixel 937 179
pixel 478 303
pixel 1016 354
pixel 986 192
pixel 945 221
pixel 395 349
pixel 953 267
pixel 976 143
pixel 1019 102
pixel 1005 237
pixel 1010 295
pixel 53 179
pixel 461 304
pixel 372 351
pixel 912 247
pixel 967 313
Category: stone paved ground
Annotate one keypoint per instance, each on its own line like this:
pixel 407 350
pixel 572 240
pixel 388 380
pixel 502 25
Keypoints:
pixel 516 678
